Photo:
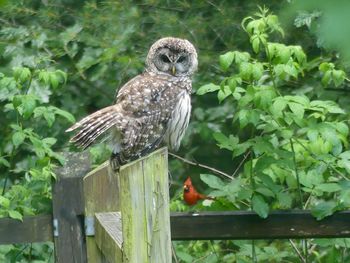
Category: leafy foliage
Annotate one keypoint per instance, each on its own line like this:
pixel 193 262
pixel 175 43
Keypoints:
pixel 291 143
pixel 274 103
pixel 295 143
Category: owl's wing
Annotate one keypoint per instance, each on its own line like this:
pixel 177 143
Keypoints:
pixel 148 103
pixel 139 117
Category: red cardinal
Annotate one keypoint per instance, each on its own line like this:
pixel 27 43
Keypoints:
pixel 191 196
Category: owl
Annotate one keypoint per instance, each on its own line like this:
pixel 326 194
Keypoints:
pixel 151 109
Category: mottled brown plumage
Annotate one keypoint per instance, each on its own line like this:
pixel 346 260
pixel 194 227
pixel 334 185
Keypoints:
pixel 151 108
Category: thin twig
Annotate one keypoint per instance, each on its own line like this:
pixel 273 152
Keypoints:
pixel 202 258
pixel 213 249
pixel 5 185
pixel 297 250
pixel 241 163
pixel 296 173
pixel 202 166
pixel 254 252
pixel 308 200
pixel 306 250
pixel 174 253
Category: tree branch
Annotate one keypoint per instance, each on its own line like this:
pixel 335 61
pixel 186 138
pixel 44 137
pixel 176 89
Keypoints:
pixel 202 166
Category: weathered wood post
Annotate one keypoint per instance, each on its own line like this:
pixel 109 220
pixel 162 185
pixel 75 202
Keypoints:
pixel 144 199
pixel 101 194
pixel 140 232
pixel 68 209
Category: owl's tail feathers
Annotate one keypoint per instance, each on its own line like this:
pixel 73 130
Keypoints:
pixel 94 125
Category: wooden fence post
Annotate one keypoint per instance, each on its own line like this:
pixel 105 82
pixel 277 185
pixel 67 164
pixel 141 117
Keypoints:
pixel 140 232
pixel 101 194
pixel 68 209
pixel 144 198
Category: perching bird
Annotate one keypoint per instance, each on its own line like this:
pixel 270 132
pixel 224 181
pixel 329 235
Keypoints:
pixel 151 108
pixel 190 195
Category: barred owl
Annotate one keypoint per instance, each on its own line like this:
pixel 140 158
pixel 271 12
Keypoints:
pixel 152 108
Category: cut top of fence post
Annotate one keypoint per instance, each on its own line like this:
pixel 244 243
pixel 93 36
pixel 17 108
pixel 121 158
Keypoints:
pixel 76 165
pixel 144 200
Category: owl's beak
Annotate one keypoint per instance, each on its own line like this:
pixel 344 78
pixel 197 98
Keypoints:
pixel 173 70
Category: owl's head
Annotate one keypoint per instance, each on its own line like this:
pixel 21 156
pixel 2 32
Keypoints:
pixel 173 56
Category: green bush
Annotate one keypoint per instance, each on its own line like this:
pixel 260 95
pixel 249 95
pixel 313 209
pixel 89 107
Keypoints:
pixel 271 111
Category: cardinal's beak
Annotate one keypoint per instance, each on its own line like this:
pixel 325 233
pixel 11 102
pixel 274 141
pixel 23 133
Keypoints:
pixel 186 188
pixel 173 70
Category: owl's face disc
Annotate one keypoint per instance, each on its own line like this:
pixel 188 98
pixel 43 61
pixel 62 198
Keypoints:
pixel 173 56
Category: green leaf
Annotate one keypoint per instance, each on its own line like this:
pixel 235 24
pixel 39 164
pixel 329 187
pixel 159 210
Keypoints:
pixel 4 202
pixel 284 54
pixel 257 71
pixel 53 80
pixel 39 147
pixel 207 88
pixel 325 66
pixel 263 162
pixel 44 76
pixel 279 71
pixel 297 109
pixel 226 60
pixel 255 44
pixel 338 77
pixel 15 215
pixel 49 117
pixel 264 191
pixel 4 162
pixel 212 181
pixel 63 113
pixel 22 73
pixel 245 70
pixel 62 75
pixel 28 104
pixel 18 138
pixel 70 33
pixel 324 209
pixel 224 93
pixel 260 206
pixel 187 258
pixel 285 200
pixel 286 134
pixel 326 79
pixel 342 128
pixel 312 178
pixel 48 114
pixel 241 57
pixel 17 101
pixel 278 106
pixel 224 142
pixel 49 141
pixel 299 54
pixel 312 134
pixel 328 187
pixel 243 118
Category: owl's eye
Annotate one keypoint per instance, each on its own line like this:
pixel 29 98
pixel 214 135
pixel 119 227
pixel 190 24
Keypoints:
pixel 181 59
pixel 164 58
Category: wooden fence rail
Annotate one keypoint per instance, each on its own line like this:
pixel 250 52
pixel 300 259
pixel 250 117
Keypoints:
pixel 295 224
pixel 93 221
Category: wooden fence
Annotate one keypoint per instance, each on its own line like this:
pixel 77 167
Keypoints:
pixel 100 216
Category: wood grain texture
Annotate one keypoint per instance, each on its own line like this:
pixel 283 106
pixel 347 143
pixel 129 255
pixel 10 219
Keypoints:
pixel 101 195
pixel 248 225
pixel 68 208
pixel 108 235
pixel 32 229
pixel 144 200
